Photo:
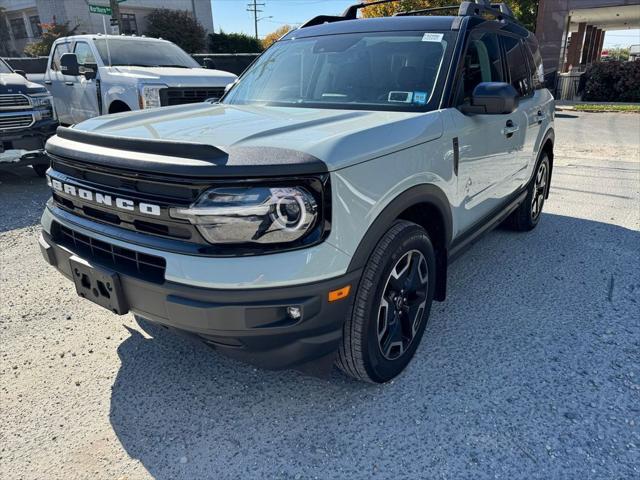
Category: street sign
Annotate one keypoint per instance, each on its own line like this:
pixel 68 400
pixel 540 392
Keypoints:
pixel 100 9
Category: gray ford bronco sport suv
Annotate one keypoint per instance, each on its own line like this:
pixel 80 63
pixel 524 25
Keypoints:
pixel 310 215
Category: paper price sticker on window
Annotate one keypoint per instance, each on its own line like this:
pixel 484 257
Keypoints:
pixel 432 37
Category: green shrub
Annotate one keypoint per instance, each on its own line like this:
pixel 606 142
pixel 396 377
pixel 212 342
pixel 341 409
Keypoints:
pixel 612 82
pixel 233 43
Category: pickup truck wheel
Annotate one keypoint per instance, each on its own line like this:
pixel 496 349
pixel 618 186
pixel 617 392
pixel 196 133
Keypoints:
pixel 40 170
pixel 391 307
pixel 528 214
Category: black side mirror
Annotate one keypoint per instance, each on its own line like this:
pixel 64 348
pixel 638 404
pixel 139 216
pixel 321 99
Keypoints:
pixel 89 70
pixel 21 73
pixel 209 64
pixel 492 98
pixel 69 64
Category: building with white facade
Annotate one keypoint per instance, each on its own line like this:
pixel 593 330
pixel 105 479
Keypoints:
pixel 24 17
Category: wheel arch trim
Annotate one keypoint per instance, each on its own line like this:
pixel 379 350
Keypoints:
pixel 416 195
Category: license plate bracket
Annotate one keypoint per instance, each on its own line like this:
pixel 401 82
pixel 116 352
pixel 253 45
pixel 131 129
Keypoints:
pixel 98 284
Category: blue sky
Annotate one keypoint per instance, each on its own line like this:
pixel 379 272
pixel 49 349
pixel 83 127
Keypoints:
pixel 231 16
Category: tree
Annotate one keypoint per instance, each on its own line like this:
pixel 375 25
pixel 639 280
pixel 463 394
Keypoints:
pixel 620 54
pixel 50 33
pixel 177 26
pixel 275 36
pixel 525 11
pixel 233 43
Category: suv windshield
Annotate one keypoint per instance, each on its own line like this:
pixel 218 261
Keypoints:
pixel 4 68
pixel 375 71
pixel 142 53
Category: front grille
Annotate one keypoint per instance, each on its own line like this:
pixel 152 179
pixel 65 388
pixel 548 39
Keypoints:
pixel 122 260
pixel 161 191
pixel 11 122
pixel 11 102
pixel 180 96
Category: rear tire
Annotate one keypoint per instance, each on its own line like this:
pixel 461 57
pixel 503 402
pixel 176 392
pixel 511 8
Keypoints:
pixel 527 215
pixel 391 306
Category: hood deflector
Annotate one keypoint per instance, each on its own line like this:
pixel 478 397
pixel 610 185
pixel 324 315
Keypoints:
pixel 194 151
pixel 190 159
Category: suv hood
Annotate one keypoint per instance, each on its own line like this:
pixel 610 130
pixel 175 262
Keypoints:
pixel 338 138
pixel 176 77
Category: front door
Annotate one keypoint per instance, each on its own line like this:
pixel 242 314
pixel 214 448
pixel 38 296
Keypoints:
pixel 84 95
pixel 490 146
pixel 60 85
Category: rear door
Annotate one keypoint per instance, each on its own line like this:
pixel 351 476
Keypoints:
pixel 60 86
pixel 489 146
pixel 528 115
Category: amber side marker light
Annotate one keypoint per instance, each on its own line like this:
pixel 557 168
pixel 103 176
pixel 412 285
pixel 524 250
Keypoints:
pixel 339 294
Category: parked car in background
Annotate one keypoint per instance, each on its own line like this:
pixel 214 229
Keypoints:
pixel 27 120
pixel 91 75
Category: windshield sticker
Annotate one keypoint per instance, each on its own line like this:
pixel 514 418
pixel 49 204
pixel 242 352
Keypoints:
pixel 432 37
pixel 420 98
pixel 400 97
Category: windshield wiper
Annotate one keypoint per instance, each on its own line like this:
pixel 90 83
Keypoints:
pixel 172 66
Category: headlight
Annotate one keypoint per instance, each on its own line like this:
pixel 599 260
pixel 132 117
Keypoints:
pixel 252 214
pixel 43 106
pixel 45 101
pixel 149 96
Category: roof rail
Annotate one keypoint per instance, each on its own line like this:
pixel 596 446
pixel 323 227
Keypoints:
pixel 500 11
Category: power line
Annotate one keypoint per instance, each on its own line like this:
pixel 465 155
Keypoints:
pixel 253 8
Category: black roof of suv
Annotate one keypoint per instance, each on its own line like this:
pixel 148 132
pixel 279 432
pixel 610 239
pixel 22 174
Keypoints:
pixel 470 14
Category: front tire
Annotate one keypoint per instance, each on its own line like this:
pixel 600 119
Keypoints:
pixel 527 215
pixel 391 306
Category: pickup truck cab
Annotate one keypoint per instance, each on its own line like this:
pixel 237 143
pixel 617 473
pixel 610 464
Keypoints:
pixel 310 215
pixel 27 120
pixel 91 75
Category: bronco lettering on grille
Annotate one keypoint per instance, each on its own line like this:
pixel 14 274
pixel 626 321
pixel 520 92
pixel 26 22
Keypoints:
pixel 104 199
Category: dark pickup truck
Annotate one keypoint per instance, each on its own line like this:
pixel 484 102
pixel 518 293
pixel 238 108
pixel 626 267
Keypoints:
pixel 27 120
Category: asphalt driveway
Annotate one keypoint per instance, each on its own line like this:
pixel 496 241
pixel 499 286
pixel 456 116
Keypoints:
pixel 530 369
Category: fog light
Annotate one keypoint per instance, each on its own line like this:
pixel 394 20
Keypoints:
pixel 295 313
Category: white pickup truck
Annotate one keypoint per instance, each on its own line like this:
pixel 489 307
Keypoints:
pixel 91 75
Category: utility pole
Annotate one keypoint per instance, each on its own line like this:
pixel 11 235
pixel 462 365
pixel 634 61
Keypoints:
pixel 115 14
pixel 253 8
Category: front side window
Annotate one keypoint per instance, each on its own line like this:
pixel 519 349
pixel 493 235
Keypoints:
pixel 518 66
pixel 84 53
pixel 131 52
pixel 60 49
pixel 375 71
pixel 481 63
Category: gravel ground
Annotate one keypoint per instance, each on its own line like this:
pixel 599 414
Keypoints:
pixel 530 369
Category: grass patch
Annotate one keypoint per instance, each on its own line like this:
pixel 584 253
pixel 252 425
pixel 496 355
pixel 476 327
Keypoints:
pixel 586 107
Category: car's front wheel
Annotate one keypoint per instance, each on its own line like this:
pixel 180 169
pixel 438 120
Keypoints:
pixel 391 306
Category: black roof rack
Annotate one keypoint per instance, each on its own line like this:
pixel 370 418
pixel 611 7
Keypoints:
pixel 499 11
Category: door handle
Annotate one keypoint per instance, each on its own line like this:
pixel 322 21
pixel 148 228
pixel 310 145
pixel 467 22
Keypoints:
pixel 510 129
pixel 47 82
pixel 69 83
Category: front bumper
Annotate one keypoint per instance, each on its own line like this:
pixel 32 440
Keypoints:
pixel 252 325
pixel 31 141
pixel 32 138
